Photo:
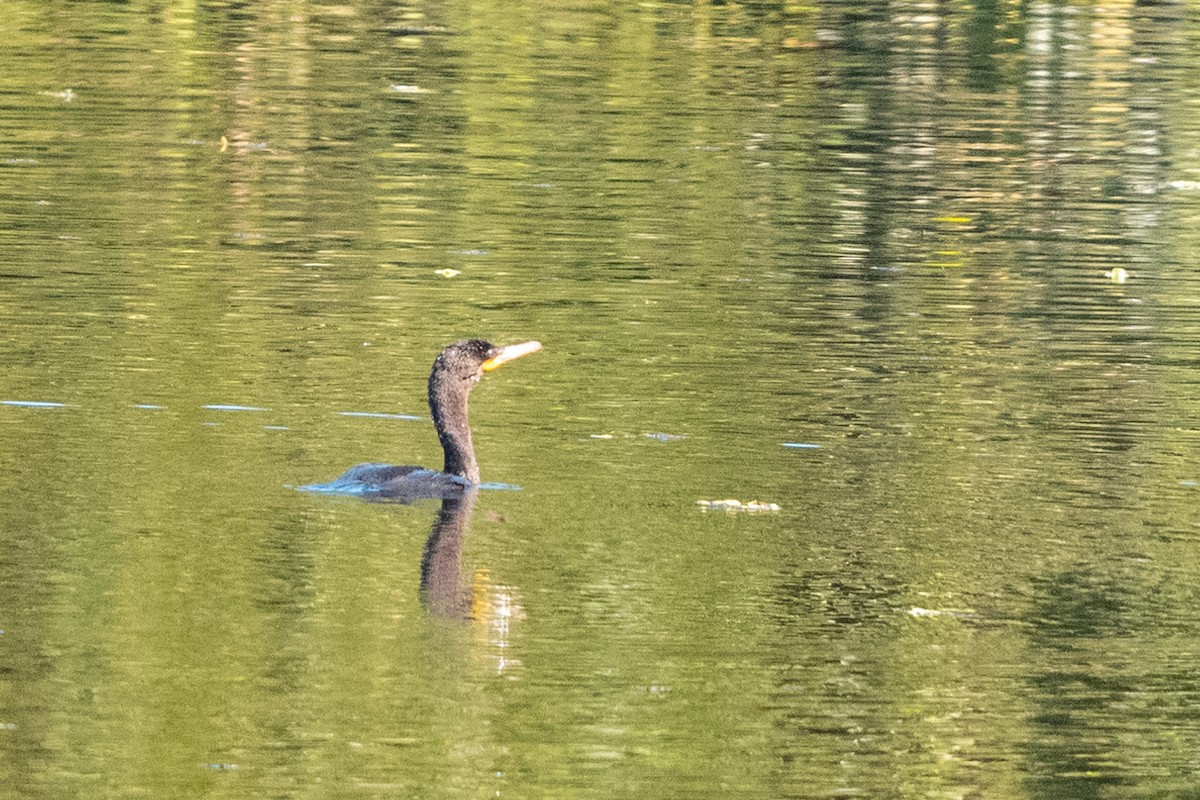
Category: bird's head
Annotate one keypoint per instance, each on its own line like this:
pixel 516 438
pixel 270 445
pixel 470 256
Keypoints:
pixel 467 360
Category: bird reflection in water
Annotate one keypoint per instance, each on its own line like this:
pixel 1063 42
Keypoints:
pixel 442 587
pixel 447 593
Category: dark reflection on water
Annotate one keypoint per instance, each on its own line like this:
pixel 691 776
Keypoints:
pixel 948 245
pixel 441 568
pixel 1084 707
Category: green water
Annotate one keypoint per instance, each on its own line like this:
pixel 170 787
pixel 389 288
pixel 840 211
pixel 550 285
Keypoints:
pixel 922 274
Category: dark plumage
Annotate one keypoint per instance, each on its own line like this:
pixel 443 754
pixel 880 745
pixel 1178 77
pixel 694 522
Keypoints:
pixel 455 372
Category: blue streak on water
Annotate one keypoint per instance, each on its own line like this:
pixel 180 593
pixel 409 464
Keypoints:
pixel 349 488
pixel 333 487
pixel 379 415
pixel 32 404
pixel 359 488
pixel 802 445
pixel 225 407
pixel 148 406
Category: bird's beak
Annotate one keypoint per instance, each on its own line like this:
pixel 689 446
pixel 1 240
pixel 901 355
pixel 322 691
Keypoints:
pixel 510 353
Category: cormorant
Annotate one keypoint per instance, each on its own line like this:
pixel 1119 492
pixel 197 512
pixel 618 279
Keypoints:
pixel 455 372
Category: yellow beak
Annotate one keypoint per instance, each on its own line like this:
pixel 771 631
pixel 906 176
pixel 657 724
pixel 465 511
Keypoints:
pixel 510 353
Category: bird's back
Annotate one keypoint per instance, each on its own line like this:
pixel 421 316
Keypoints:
pixel 397 482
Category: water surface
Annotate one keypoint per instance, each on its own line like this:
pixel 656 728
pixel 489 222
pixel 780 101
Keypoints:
pixel 919 274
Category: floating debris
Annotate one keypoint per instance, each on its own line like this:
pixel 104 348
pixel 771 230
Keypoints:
pixel 917 611
pixel 1117 275
pixel 66 95
pixel 447 272
pixel 736 505
pixel 657 436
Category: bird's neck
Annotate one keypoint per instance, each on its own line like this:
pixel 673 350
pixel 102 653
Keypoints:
pixel 460 456
pixel 448 404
